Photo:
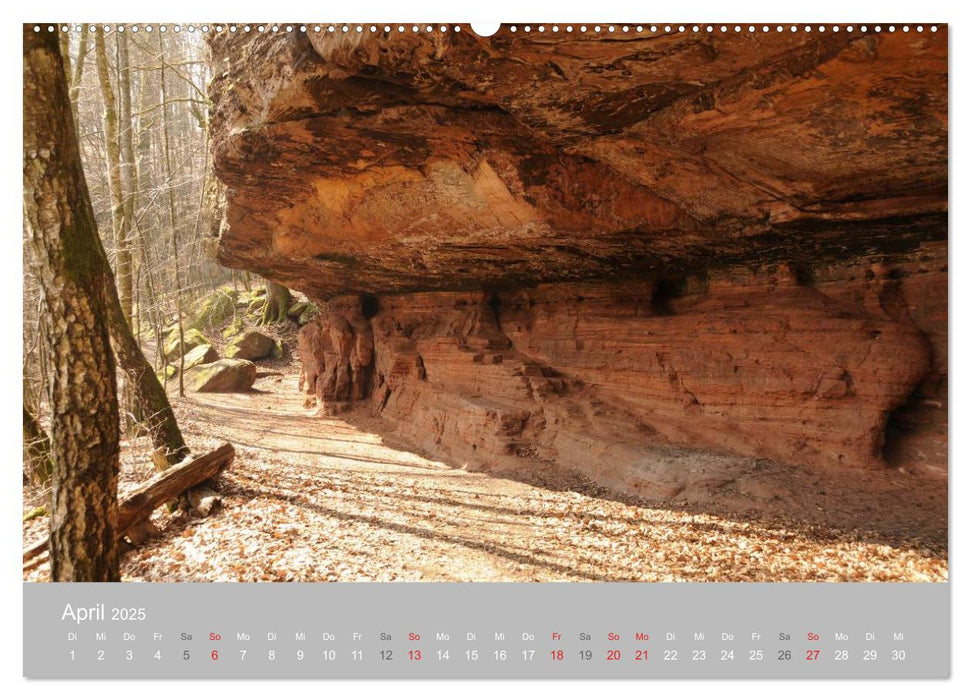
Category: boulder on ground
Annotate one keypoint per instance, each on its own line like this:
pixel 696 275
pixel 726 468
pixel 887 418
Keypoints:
pixel 214 308
pixel 192 339
pixel 222 376
pixel 200 355
pixel 250 345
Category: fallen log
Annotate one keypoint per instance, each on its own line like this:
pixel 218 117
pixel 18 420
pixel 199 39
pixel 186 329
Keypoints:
pixel 170 484
pixel 163 487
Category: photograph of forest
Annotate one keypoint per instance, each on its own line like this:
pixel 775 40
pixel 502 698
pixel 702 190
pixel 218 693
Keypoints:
pixel 406 303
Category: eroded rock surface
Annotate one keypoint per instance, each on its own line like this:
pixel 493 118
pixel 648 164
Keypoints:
pixel 601 377
pixel 594 249
pixel 374 163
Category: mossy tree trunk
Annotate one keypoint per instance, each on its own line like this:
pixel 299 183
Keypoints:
pixel 278 301
pixel 64 244
pixel 153 403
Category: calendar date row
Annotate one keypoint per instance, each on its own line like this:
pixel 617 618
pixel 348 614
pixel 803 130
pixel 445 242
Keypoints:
pixel 413 655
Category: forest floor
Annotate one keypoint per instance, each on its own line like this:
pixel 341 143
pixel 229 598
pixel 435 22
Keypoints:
pixel 316 499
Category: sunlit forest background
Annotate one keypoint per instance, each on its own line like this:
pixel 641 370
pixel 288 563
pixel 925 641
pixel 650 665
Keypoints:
pixel 141 110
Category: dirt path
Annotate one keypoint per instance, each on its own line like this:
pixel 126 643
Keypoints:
pixel 316 499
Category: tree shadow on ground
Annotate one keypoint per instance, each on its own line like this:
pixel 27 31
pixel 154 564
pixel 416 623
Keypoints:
pixel 841 518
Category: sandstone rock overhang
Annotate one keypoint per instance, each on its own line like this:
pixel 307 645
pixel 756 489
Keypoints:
pixel 655 259
pixel 387 163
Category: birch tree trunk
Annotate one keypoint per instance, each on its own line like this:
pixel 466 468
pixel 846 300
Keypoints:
pixel 63 241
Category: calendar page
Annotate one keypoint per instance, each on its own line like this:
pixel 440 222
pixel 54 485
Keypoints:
pixel 525 350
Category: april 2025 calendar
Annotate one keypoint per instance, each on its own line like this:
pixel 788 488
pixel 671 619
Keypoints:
pixel 447 350
pixel 510 631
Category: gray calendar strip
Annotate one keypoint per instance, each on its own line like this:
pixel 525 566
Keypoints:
pixel 487 630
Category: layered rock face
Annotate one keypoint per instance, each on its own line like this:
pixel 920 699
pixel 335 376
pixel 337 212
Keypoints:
pixel 599 376
pixel 592 250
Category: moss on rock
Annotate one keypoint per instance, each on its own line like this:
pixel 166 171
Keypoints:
pixel 192 339
pixel 250 345
pixel 166 374
pixel 214 309
pixel 227 375
pixel 200 355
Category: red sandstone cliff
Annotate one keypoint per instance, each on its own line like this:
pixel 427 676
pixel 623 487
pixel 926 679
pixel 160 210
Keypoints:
pixel 590 250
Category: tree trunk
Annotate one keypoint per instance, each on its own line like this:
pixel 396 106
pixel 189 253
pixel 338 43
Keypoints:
pixel 75 84
pixel 153 402
pixel 278 301
pixel 114 173
pixel 79 72
pixel 64 44
pixel 116 193
pixel 64 244
pixel 171 484
pixel 127 176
